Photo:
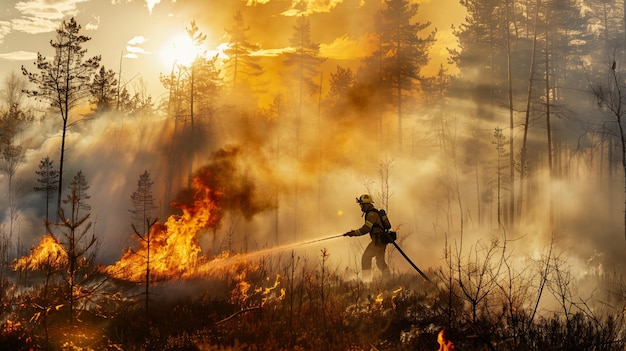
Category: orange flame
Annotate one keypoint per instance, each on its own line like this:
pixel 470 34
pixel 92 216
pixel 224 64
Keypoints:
pixel 174 248
pixel 49 254
pixel 243 294
pixel 379 298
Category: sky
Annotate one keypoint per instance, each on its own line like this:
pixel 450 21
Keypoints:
pixel 142 38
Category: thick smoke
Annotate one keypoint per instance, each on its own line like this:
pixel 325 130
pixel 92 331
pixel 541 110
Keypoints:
pixel 234 190
pixel 281 181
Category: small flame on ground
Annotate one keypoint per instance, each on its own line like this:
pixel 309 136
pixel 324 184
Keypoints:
pixel 49 254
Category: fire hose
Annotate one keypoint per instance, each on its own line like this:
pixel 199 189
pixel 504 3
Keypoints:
pixel 390 239
pixel 407 258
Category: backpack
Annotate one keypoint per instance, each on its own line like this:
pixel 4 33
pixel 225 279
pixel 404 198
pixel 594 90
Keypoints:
pixel 384 219
pixel 387 236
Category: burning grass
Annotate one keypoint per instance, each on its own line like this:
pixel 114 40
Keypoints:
pixel 297 307
pixel 167 295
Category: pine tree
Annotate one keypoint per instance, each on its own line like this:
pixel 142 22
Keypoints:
pixel 79 245
pixel 13 121
pixel 103 89
pixel 143 203
pixel 143 206
pixel 48 179
pixel 240 63
pixel 403 53
pixel 64 81
pixel 341 84
pixel 80 186
pixel 305 58
pixel 304 62
pixel 193 91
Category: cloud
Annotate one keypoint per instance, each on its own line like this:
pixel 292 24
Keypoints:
pixel 139 39
pixel 33 25
pixel 344 48
pixel 41 16
pixel 19 56
pixel 93 26
pixel 151 4
pixel 255 2
pixel 271 52
pixel 133 49
pixel 136 50
pixel 5 28
pixel 311 6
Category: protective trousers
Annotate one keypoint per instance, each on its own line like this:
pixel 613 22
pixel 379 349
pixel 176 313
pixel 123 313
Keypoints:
pixel 374 251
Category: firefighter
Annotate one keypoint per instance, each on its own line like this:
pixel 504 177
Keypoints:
pixel 376 248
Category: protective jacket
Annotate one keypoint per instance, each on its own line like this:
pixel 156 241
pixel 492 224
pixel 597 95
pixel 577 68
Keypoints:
pixel 372 225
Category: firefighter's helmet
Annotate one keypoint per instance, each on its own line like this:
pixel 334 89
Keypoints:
pixel 365 199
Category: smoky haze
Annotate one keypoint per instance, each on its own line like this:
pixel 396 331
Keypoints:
pixel 293 175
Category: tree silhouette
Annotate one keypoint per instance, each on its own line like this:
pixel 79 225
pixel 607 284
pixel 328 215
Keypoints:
pixel 103 90
pixel 193 90
pixel 611 99
pixel 13 121
pixel 240 62
pixel 48 180
pixel 402 51
pixel 64 81
pixel 305 58
pixel 341 84
pixel 501 181
pixel 78 244
pixel 143 206
pixel 304 61
pixel 143 202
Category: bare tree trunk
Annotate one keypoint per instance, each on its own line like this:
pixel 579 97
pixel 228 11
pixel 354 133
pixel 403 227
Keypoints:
pixel 398 48
pixel 119 82
pixel 511 218
pixel 611 99
pixel 480 221
pixel 191 117
pixel 620 126
pixel 548 122
pixel 531 78
pixel 319 150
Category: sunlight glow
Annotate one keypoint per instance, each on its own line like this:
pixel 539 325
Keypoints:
pixel 181 51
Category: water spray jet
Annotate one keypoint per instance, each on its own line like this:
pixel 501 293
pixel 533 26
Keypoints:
pixel 308 242
pixel 290 246
pixel 222 262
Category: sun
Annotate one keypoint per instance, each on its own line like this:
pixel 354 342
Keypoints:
pixel 181 51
